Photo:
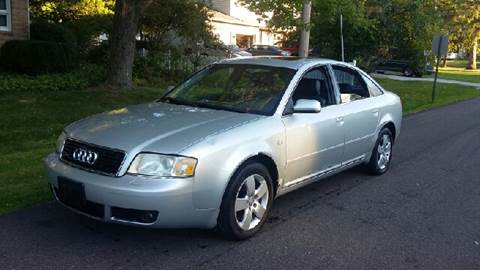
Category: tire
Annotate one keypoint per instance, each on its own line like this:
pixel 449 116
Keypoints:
pixel 408 72
pixel 253 202
pixel 381 154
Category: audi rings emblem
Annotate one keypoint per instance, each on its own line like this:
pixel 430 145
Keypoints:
pixel 85 156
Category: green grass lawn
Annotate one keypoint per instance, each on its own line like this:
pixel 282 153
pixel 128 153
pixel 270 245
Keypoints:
pixel 459 63
pixel 31 122
pixel 459 74
pixel 416 96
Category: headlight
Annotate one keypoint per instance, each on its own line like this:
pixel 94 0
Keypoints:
pixel 163 165
pixel 60 142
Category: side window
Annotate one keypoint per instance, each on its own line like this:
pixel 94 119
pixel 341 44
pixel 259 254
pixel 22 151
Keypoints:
pixel 350 83
pixel 374 89
pixel 315 85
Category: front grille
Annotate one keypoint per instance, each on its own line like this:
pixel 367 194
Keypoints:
pixel 108 160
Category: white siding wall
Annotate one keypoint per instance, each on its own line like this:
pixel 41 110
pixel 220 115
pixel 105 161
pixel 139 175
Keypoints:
pixel 227 32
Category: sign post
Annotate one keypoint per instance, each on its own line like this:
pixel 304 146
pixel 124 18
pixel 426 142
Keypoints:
pixel 439 48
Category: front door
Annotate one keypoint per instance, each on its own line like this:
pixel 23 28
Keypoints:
pixel 314 141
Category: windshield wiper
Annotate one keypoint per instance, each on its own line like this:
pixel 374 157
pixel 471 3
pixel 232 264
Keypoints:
pixel 219 107
pixel 200 105
pixel 172 100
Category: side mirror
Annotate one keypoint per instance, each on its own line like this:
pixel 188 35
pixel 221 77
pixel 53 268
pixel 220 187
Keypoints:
pixel 307 106
pixel 170 88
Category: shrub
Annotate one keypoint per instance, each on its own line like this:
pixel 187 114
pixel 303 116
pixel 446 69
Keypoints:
pixel 36 57
pixel 99 54
pixel 87 29
pixel 45 31
pixel 86 76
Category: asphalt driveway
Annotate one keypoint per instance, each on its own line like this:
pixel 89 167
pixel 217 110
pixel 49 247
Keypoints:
pixel 423 214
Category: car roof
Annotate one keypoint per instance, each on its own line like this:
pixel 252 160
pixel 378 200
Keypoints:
pixel 278 61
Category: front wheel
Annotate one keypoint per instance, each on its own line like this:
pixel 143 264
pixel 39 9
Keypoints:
pixel 246 202
pixel 381 153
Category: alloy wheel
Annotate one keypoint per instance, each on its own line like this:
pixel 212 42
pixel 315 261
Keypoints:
pixel 384 150
pixel 251 202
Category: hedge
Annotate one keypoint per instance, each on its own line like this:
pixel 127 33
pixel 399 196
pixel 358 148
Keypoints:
pixel 86 76
pixel 34 57
pixel 45 31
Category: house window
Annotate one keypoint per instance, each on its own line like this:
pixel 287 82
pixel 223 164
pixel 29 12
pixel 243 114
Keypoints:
pixel 5 15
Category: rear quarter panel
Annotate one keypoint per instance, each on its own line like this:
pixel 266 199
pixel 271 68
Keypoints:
pixel 390 111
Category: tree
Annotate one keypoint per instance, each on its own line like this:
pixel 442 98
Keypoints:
pixel 462 18
pixel 372 28
pixel 67 10
pixel 282 15
pixel 358 29
pixel 125 28
pixel 87 19
pixel 187 19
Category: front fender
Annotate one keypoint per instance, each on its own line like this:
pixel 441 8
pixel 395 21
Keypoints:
pixel 221 157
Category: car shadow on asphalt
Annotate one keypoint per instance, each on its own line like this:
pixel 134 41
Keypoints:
pixel 63 227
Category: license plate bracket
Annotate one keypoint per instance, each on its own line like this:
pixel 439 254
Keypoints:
pixel 71 193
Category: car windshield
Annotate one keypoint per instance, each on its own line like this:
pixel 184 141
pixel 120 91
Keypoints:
pixel 253 89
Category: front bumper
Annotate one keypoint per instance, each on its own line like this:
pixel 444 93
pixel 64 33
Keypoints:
pixel 171 199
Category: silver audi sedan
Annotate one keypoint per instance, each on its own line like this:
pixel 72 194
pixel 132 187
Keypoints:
pixel 216 150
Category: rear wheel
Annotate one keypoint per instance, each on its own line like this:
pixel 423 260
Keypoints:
pixel 382 153
pixel 246 202
pixel 408 72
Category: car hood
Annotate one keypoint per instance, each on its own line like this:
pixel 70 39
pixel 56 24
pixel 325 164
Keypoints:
pixel 156 127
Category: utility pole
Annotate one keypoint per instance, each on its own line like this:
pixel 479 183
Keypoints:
pixel 341 37
pixel 305 35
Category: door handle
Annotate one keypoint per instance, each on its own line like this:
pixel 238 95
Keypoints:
pixel 340 119
pixel 375 112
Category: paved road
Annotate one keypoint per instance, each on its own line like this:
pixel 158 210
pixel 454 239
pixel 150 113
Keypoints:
pixel 403 78
pixel 423 214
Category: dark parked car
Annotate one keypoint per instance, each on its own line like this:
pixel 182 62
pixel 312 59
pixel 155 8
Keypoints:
pixel 234 51
pixel 404 67
pixel 267 50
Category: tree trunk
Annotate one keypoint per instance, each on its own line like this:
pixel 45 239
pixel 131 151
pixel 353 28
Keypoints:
pixel 472 59
pixel 125 25
pixel 444 64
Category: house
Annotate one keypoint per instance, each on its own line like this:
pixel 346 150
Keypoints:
pixel 236 25
pixel 14 20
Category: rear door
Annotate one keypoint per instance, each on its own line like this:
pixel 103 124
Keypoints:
pixel 360 112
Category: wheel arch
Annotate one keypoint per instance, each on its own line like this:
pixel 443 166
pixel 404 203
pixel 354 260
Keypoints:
pixel 263 159
pixel 391 126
